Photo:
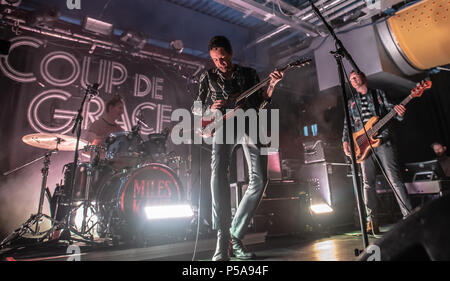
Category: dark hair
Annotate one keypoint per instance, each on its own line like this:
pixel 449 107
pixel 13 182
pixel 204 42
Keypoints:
pixel 113 101
pixel 220 42
pixel 436 143
pixel 362 74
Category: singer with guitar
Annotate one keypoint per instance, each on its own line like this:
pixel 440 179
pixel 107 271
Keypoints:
pixel 219 86
pixel 367 104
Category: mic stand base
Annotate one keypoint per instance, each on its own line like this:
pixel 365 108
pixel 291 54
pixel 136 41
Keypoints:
pixel 68 234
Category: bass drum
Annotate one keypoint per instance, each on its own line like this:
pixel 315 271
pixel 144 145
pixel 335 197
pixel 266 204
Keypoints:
pixel 121 201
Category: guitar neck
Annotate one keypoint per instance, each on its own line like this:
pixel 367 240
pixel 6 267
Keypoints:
pixel 388 117
pixel 253 89
pixel 258 86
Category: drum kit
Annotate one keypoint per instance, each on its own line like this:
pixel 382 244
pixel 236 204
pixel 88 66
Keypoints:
pixel 106 196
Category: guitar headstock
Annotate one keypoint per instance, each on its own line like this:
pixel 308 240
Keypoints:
pixel 300 63
pixel 418 91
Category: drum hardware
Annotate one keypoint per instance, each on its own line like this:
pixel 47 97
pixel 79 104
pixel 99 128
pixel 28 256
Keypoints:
pixel 35 218
pixel 58 143
pixel 68 228
pixel 93 152
pixel 95 185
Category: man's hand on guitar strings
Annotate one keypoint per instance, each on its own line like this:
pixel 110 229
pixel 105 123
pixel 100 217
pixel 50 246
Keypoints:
pixel 400 109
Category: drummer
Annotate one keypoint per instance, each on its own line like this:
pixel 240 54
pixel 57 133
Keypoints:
pixel 103 127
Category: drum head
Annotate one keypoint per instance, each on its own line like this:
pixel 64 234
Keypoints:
pixel 125 197
pixel 124 149
pixel 150 185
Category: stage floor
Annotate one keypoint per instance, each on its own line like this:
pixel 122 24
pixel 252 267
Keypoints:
pixel 311 247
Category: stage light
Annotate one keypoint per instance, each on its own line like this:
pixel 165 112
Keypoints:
pixel 134 39
pixel 321 208
pixel 44 17
pixel 91 218
pixel 97 26
pixel 177 45
pixel 168 212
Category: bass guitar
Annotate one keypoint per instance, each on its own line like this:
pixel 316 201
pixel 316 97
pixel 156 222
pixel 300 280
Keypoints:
pixel 363 142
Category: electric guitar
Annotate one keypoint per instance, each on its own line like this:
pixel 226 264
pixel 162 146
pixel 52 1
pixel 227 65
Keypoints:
pixel 373 126
pixel 211 121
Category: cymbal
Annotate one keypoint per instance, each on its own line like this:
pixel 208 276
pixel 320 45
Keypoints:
pixel 49 141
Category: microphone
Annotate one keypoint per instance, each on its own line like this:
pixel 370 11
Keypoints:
pixel 140 119
pixel 93 90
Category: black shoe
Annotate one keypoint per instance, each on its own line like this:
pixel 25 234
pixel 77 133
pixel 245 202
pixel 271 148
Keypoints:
pixel 223 246
pixel 238 250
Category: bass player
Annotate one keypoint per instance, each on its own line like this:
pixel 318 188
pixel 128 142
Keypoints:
pixel 368 103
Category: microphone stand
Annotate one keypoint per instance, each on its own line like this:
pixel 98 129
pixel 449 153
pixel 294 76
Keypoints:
pixel 89 92
pixel 340 53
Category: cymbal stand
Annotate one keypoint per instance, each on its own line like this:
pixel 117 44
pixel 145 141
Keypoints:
pixel 34 218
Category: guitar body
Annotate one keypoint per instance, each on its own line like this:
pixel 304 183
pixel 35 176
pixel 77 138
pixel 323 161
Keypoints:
pixel 209 123
pixel 362 144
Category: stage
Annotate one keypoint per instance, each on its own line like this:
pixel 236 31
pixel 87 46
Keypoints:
pixel 130 129
pixel 313 247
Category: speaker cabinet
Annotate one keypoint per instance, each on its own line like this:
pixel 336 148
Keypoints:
pixel 328 183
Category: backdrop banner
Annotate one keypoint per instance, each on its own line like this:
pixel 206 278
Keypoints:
pixel 42 86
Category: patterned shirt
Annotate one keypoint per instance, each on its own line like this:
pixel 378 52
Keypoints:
pixel 214 86
pixel 365 111
pixel 358 123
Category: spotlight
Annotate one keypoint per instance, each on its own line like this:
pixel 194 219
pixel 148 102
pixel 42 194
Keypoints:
pixel 177 45
pixel 44 18
pixel 134 39
pixel 98 27
pixel 168 212
pixel 321 209
pixel 91 218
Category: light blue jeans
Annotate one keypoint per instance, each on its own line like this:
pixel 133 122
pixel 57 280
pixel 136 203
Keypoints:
pixel 220 187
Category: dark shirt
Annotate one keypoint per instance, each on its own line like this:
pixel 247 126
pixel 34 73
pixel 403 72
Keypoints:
pixel 384 107
pixel 214 86
pixel 444 161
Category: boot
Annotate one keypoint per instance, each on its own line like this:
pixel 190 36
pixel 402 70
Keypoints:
pixel 239 251
pixel 222 252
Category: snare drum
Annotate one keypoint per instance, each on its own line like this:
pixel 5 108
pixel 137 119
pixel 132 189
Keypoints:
pixel 124 149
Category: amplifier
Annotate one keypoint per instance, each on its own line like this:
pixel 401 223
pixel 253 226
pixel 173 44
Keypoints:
pixel 319 151
pixel 328 184
pixel 282 210
pixel 427 187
